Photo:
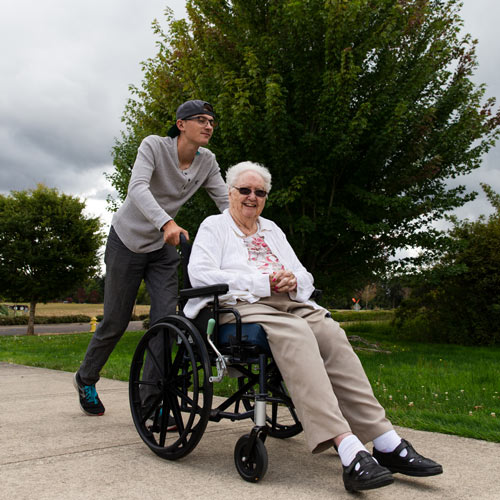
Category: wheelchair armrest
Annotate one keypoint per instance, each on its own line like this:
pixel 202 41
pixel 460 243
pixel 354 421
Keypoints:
pixel 202 291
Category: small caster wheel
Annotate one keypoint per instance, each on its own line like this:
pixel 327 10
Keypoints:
pixel 253 467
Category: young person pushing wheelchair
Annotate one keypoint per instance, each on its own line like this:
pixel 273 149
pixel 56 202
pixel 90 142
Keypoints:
pixel 141 243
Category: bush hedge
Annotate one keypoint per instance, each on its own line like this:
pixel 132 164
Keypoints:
pixel 341 316
pixel 344 316
pixel 49 320
pixel 45 320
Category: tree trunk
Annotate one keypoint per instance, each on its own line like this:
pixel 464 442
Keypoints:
pixel 31 320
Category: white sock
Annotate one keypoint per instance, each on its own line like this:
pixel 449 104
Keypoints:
pixel 348 448
pixel 388 442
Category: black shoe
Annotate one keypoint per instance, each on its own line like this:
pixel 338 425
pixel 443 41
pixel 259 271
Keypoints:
pixel 154 421
pixel 413 464
pixel 90 403
pixel 370 474
pixel 171 426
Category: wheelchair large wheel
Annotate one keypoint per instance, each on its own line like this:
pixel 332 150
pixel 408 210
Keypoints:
pixel 283 421
pixel 169 389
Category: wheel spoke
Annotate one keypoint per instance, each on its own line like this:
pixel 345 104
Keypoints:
pixel 274 413
pixel 187 400
pixel 174 405
pixel 167 352
pixel 143 382
pixel 163 427
pixel 179 358
pixel 149 410
pixel 155 361
pixel 184 396
pixel 293 413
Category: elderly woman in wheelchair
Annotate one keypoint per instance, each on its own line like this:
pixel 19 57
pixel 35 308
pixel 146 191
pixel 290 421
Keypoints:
pixel 246 273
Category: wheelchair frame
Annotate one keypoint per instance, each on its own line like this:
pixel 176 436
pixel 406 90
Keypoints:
pixel 172 408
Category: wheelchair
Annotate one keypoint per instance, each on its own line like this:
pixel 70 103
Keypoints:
pixel 171 409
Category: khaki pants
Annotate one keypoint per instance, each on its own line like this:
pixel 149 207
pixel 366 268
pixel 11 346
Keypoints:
pixel 324 376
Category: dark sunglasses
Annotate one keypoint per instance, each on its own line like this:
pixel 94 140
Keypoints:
pixel 260 193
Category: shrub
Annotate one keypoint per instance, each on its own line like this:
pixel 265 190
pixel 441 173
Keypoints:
pixel 458 300
pixel 48 320
pixel 362 315
pixel 45 320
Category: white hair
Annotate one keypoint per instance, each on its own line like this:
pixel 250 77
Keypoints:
pixel 235 171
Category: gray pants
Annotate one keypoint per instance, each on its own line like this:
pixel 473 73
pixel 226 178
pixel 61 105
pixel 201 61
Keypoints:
pixel 124 272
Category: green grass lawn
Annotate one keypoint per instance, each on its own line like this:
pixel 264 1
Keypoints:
pixel 434 387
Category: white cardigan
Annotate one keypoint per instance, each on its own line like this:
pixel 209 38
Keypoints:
pixel 219 255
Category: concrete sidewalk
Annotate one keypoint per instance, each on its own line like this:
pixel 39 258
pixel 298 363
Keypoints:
pixel 50 450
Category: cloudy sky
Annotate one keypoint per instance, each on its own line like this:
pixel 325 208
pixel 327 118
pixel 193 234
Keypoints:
pixel 65 69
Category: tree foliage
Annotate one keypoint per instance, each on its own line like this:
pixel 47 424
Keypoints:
pixel 47 245
pixel 143 297
pixel 361 109
pixel 458 300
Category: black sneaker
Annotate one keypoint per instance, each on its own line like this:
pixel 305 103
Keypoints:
pixel 413 464
pixel 368 476
pixel 155 421
pixel 90 403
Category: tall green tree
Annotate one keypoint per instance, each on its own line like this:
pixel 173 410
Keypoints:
pixel 361 109
pixel 458 299
pixel 47 246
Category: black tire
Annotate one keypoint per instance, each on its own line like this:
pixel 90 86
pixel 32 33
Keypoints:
pixel 251 468
pixel 283 421
pixel 170 408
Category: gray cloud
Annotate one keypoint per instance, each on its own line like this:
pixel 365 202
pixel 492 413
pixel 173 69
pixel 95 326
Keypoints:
pixel 480 20
pixel 65 71
pixel 64 86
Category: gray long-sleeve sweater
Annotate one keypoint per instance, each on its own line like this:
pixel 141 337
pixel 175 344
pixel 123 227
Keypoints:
pixel 158 188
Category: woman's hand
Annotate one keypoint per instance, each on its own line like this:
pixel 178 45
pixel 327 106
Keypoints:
pixel 283 281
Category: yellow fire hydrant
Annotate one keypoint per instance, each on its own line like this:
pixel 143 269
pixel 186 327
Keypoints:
pixel 93 323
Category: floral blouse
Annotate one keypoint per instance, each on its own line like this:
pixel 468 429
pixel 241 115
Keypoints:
pixel 261 256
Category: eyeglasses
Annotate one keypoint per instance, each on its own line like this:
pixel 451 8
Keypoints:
pixel 203 121
pixel 260 193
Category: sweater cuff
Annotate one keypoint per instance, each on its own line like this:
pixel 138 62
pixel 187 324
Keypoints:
pixel 161 227
pixel 261 286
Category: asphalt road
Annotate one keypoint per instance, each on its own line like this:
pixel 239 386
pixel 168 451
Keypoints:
pixel 59 328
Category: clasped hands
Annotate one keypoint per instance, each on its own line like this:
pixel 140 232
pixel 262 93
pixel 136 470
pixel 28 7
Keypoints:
pixel 283 281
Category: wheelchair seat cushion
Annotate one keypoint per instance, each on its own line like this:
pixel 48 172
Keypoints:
pixel 251 333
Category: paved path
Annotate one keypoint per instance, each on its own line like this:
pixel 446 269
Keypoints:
pixel 50 450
